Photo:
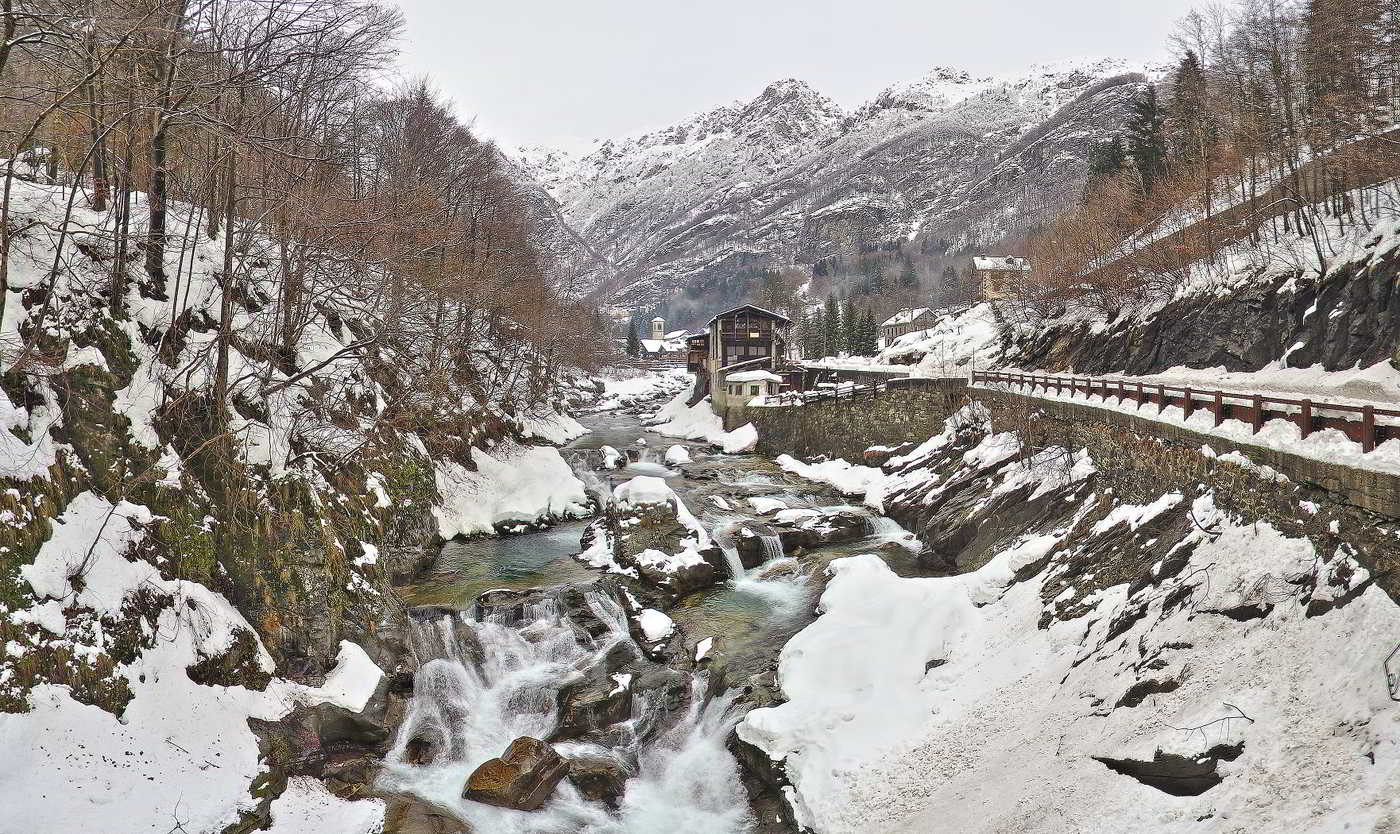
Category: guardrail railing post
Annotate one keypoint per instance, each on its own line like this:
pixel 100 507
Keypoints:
pixel 1161 398
pixel 1258 413
pixel 1368 428
pixel 1305 418
pixel 1219 408
pixel 1188 405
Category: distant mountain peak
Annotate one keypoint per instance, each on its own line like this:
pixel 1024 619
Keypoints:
pixel 788 176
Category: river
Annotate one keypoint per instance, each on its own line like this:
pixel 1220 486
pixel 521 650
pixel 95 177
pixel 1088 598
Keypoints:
pixel 487 677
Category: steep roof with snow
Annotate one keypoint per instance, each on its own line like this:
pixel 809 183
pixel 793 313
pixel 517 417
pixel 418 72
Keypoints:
pixel 667 345
pixel 905 316
pixel 759 310
pixel 753 376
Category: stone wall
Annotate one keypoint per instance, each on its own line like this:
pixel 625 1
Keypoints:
pixel 1135 453
pixel 845 428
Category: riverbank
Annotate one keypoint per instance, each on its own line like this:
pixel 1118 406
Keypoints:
pixel 658 737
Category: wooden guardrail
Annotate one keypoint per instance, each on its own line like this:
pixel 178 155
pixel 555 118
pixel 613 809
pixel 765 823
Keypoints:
pixel 1358 422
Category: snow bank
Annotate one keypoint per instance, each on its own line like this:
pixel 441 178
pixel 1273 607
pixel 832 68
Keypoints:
pixel 846 477
pixel 764 506
pixel 551 427
pixel 955 343
pixel 307 806
pixel 677 454
pixel 623 387
pixel 512 484
pixel 642 490
pixel 688 422
pixel 353 680
pixel 700 422
pixel 742 439
pixel 180 752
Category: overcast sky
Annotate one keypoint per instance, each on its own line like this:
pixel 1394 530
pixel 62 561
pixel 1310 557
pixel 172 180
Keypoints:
pixel 563 72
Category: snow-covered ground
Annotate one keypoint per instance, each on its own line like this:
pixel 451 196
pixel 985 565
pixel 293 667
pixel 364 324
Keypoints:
pixel 919 705
pixel 956 343
pixel 512 485
pixel 181 753
pixel 847 478
pixel 89 595
pixel 624 386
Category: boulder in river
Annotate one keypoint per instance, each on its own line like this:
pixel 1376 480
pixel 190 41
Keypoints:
pixel 655 534
pixel 599 779
pixel 602 698
pixel 523 777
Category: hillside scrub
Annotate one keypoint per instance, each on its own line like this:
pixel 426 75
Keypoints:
pixel 1275 127
pixel 261 321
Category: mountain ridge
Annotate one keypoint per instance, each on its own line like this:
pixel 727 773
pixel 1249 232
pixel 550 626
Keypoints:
pixel 790 176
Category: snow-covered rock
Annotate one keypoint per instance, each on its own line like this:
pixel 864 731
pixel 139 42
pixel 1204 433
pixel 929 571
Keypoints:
pixel 513 485
pixel 655 625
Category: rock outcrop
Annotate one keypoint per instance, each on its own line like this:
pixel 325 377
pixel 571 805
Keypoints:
pixel 651 533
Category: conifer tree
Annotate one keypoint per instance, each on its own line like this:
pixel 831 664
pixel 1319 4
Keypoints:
pixel 831 330
pixel 1190 120
pixel 1106 159
pixel 1147 145
pixel 908 277
pixel 879 285
pixel 869 333
pixel 634 344
pixel 850 328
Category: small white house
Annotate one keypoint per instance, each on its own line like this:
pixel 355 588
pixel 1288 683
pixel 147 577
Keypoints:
pixel 905 321
pixel 745 385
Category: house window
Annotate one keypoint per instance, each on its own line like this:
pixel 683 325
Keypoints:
pixel 753 390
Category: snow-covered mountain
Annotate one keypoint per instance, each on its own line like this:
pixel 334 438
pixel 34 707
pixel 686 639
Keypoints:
pixel 789 177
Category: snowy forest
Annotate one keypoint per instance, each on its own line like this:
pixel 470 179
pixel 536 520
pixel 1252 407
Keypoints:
pixel 1017 447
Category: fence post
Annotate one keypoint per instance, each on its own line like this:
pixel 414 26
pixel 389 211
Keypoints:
pixel 1368 428
pixel 1219 408
pixel 1141 395
pixel 1189 405
pixel 1121 395
pixel 1258 413
pixel 1161 398
pixel 1305 419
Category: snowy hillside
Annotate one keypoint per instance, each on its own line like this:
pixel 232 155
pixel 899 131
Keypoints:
pixel 788 177
pixel 172 579
pixel 1105 650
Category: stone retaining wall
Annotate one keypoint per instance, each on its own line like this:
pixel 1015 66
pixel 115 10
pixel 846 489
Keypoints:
pixel 1134 453
pixel 912 411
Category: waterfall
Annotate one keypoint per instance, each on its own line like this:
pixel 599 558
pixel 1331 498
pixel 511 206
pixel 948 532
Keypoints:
pixel 594 485
pixel 887 529
pixel 772 547
pixel 487 677
pixel 731 556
